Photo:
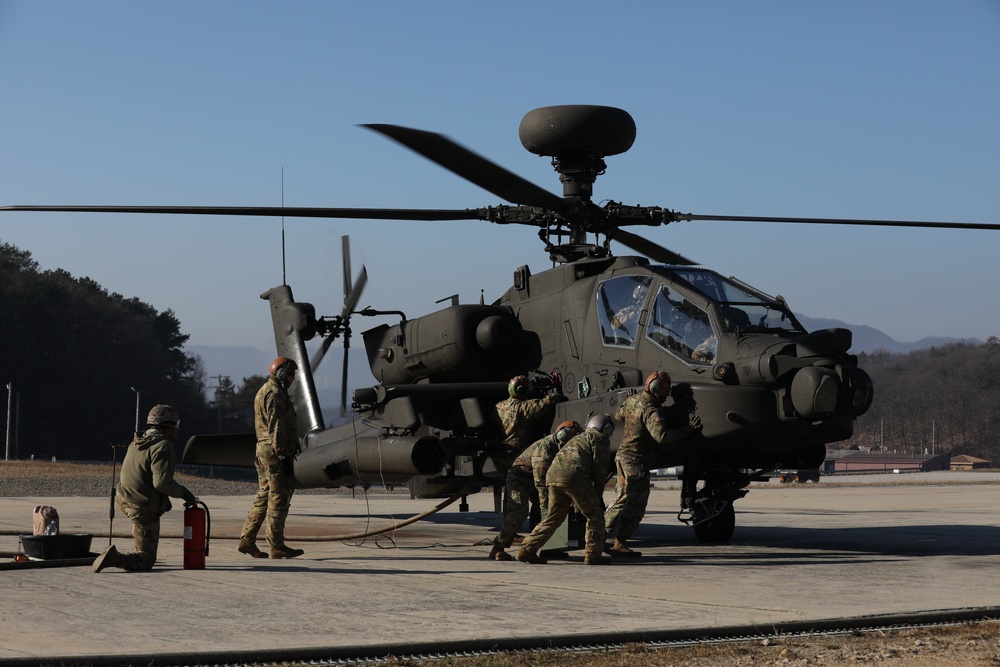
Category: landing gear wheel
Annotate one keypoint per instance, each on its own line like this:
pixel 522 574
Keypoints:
pixel 719 529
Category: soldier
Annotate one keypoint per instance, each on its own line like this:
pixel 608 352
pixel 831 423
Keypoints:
pixel 645 430
pixel 145 488
pixel 277 444
pixel 526 483
pixel 526 416
pixel 576 477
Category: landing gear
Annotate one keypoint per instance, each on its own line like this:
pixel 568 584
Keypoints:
pixel 709 510
pixel 718 529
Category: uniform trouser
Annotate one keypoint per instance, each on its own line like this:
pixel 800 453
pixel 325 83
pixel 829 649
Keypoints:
pixel 631 497
pixel 270 504
pixel 521 492
pixel 561 501
pixel 146 531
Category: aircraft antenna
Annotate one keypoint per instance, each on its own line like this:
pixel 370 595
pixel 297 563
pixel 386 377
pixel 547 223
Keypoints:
pixel 284 280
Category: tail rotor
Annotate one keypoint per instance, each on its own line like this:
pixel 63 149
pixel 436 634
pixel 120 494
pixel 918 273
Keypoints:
pixel 340 325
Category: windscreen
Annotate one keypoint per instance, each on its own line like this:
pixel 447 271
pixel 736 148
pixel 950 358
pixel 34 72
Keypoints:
pixel 742 307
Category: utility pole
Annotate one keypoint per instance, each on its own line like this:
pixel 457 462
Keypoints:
pixel 137 394
pixel 218 398
pixel 17 425
pixel 10 405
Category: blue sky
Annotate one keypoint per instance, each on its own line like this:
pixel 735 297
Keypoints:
pixel 867 109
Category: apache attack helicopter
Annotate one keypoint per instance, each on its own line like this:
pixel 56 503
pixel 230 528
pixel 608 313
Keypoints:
pixel 770 394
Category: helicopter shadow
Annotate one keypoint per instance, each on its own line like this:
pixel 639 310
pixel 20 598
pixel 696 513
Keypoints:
pixel 883 541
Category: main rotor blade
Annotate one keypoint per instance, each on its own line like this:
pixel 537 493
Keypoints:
pixel 650 249
pixel 840 221
pixel 277 211
pixel 474 168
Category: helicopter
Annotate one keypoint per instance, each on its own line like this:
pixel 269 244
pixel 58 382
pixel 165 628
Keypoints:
pixel 770 394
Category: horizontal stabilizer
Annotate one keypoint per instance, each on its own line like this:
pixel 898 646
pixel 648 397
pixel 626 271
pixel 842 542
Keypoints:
pixel 227 449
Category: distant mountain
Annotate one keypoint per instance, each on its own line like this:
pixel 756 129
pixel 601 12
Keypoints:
pixel 869 339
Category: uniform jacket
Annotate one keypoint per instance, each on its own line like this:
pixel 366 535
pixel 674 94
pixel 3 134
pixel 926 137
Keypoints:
pixel 645 429
pixel 275 420
pixel 537 458
pixel 147 477
pixel 583 460
pixel 648 424
pixel 523 421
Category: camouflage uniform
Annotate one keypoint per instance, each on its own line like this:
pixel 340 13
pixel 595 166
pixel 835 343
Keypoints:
pixel 526 483
pixel 646 428
pixel 277 444
pixel 144 491
pixel 576 477
pixel 524 421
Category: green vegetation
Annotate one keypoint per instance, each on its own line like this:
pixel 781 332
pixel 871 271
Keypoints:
pixel 73 351
pixel 938 400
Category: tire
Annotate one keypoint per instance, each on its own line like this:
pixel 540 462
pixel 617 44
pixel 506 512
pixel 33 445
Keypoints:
pixel 719 529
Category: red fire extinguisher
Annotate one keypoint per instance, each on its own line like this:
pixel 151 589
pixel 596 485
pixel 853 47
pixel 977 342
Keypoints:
pixel 197 533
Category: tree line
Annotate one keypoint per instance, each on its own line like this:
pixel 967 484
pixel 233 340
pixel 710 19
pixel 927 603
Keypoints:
pixel 939 400
pixel 77 360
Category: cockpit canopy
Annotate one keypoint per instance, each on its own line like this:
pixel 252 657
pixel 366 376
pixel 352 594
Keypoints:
pixel 689 311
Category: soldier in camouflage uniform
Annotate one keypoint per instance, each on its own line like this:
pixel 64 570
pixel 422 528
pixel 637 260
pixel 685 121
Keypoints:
pixel 277 444
pixel 576 477
pixel 526 483
pixel 525 417
pixel 145 488
pixel 646 428
pixel 526 413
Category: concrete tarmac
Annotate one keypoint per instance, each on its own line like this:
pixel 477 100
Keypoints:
pixel 799 553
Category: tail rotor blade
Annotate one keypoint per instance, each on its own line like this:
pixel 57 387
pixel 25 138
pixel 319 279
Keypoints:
pixel 351 298
pixel 345 250
pixel 320 353
pixel 343 384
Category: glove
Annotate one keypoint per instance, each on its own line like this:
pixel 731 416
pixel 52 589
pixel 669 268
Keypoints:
pixel 556 380
pixel 695 422
pixel 558 398
pixel 189 499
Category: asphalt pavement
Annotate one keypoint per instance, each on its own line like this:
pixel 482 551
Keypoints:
pixel 799 553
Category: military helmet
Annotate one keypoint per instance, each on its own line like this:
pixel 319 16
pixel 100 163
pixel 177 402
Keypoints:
pixel 282 367
pixel 567 430
pixel 658 384
pixel 163 415
pixel 602 423
pixel 519 386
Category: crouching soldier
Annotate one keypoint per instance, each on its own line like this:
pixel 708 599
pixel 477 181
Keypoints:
pixel 576 477
pixel 525 484
pixel 147 483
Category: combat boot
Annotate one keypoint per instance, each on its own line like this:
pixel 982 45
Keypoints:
pixel 619 550
pixel 250 548
pixel 285 551
pixel 108 558
pixel 497 553
pixel 596 559
pixel 526 556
